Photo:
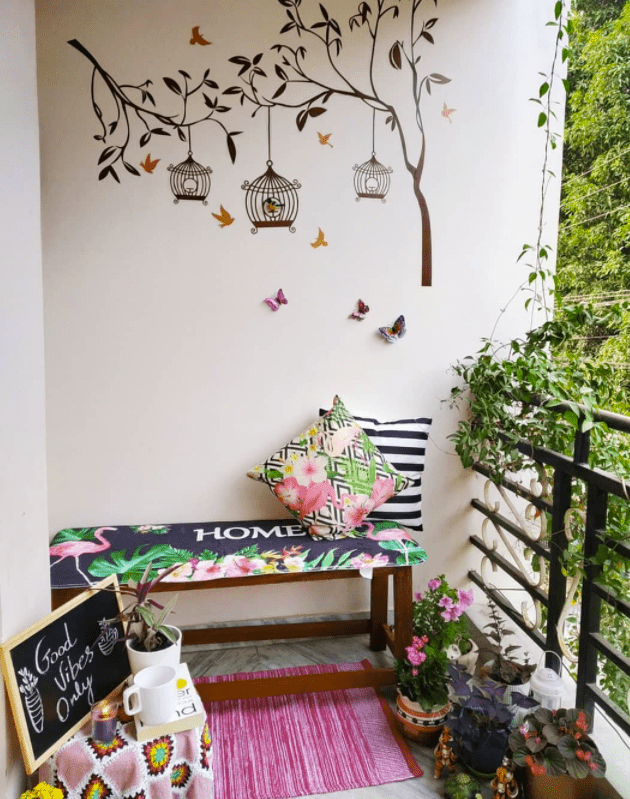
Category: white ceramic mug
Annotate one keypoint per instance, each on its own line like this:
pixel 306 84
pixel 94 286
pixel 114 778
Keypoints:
pixel 153 694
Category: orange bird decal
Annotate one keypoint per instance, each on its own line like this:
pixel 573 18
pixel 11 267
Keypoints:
pixel 224 218
pixel 323 139
pixel 319 241
pixel 197 38
pixel 148 165
pixel 446 112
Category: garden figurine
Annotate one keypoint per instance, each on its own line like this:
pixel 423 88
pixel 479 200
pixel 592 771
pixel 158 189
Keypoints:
pixel 444 755
pixel 504 785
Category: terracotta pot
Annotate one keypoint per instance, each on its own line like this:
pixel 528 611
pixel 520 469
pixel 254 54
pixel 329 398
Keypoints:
pixel 542 786
pixel 168 656
pixel 420 725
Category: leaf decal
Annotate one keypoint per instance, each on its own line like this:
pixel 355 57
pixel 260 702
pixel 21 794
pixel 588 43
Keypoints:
pixel 173 85
pixel 395 58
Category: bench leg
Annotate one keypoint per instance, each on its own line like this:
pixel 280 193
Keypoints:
pixel 403 610
pixel 379 592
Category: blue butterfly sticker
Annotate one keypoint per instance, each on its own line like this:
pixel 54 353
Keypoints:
pixel 395 332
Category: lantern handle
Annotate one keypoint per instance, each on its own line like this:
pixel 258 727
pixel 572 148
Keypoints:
pixel 550 652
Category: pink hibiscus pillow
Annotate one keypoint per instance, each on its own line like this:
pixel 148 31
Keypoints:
pixel 331 476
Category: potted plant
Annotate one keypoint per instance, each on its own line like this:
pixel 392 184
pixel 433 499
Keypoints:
pixel 149 640
pixel 558 753
pixel 422 679
pixel 480 721
pixel 504 668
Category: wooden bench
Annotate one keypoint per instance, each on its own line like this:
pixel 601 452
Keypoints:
pixel 386 543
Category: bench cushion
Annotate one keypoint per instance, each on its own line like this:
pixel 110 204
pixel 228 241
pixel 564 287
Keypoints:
pixel 211 550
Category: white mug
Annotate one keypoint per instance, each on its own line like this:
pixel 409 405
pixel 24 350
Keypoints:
pixel 155 693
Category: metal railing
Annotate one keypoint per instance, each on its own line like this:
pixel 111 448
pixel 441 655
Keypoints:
pixel 544 530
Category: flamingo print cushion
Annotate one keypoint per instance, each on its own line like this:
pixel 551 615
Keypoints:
pixel 331 476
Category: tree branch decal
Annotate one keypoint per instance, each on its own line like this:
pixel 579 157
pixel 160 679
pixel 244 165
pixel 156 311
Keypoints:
pixel 301 88
pixel 131 104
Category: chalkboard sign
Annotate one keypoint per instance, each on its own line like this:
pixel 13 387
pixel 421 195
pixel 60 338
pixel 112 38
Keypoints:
pixel 54 672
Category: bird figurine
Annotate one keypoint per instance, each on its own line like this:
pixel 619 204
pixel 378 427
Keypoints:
pixel 446 112
pixel 223 217
pixel 148 165
pixel 319 241
pixel 323 138
pixel 74 549
pixel 197 38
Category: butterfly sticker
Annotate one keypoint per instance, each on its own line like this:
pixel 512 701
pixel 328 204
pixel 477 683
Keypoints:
pixel 360 311
pixel 446 112
pixel 395 332
pixel 323 138
pixel 275 302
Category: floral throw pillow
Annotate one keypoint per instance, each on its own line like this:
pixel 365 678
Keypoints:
pixel 331 476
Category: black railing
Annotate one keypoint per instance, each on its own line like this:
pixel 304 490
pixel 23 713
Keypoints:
pixel 599 487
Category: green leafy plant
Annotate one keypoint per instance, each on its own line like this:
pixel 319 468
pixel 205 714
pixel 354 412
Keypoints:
pixel 144 617
pixel 504 667
pixel 438 622
pixel 556 743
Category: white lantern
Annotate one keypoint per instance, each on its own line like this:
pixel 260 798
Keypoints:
pixel 547 685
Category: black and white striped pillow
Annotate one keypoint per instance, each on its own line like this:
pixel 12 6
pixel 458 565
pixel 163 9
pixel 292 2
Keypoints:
pixel 403 443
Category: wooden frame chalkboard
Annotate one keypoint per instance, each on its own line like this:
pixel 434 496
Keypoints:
pixel 54 673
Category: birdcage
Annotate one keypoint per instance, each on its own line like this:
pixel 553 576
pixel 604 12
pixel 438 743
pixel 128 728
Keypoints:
pixel 271 200
pixel 371 180
pixel 190 180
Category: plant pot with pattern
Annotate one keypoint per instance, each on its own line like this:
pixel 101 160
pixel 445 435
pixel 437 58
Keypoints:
pixel 559 756
pixel 149 640
pixel 423 682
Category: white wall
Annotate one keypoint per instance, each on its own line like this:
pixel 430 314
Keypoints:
pixel 24 574
pixel 167 376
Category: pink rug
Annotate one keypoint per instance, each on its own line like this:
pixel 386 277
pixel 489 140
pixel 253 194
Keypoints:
pixel 303 744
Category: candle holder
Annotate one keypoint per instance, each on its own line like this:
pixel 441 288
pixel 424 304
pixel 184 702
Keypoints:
pixel 104 716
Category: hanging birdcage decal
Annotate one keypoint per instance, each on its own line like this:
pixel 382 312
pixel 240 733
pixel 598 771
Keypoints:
pixel 271 200
pixel 190 180
pixel 371 179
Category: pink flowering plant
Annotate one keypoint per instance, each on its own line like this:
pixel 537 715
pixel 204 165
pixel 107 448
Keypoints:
pixel 557 742
pixel 438 622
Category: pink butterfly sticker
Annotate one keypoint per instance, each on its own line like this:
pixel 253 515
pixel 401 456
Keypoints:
pixel 360 311
pixel 275 302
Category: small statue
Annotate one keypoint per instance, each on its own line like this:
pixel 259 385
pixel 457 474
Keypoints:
pixel 444 755
pixel 462 786
pixel 504 785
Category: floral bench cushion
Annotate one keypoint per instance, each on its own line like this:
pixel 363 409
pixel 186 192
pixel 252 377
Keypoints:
pixel 80 557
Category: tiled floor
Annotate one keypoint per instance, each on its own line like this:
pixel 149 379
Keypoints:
pixel 206 661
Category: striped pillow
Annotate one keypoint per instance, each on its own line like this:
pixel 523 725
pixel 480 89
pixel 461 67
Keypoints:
pixel 403 443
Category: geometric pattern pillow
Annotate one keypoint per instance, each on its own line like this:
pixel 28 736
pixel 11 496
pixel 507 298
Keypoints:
pixel 403 443
pixel 331 476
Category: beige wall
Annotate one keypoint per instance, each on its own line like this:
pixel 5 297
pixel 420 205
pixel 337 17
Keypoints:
pixel 24 576
pixel 167 376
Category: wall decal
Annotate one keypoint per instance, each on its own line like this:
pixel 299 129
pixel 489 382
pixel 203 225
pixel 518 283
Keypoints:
pixel 396 332
pixel 136 104
pixel 446 112
pixel 323 139
pixel 271 200
pixel 148 165
pixel 320 241
pixel 296 71
pixel 190 180
pixel 360 311
pixel 197 38
pixel 371 179
pixel 275 302
pixel 224 217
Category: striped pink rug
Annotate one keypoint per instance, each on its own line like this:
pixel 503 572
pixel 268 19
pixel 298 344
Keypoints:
pixel 303 744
